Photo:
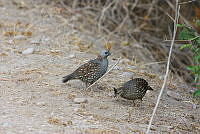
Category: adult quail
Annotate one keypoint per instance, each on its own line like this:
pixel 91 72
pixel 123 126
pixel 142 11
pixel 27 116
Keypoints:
pixel 92 70
pixel 133 89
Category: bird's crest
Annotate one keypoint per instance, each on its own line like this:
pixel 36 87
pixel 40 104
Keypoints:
pixel 108 46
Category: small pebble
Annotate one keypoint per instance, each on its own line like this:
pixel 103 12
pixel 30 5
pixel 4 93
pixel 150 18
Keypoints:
pixel 28 51
pixel 41 104
pixel 174 95
pixel 111 94
pixel 80 100
pixel 6 124
pixel 124 61
pixel 75 109
pixel 194 106
pixel 189 105
pixel 161 77
pixel 20 37
pixel 117 68
pixel 35 41
pixel 10 41
pixel 192 90
pixel 71 56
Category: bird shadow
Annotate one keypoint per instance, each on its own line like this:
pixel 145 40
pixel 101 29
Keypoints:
pixel 129 103
pixel 123 102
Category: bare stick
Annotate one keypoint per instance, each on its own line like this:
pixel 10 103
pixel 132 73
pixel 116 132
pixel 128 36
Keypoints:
pixel 167 70
pixel 181 16
pixel 104 74
pixel 102 14
pixel 152 63
pixel 186 2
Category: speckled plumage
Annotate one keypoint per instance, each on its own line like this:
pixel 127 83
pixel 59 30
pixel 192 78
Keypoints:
pixel 133 89
pixel 90 71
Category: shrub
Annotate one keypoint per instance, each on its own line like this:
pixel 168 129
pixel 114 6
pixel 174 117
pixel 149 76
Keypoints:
pixel 188 34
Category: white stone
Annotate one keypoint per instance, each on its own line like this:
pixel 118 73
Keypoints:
pixel 35 41
pixel 80 100
pixel 111 94
pixel 194 106
pixel 174 95
pixel 75 109
pixel 20 37
pixel 162 77
pixel 6 124
pixel 71 56
pixel 41 104
pixel 28 51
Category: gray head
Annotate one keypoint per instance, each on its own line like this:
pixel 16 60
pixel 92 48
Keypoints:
pixel 105 53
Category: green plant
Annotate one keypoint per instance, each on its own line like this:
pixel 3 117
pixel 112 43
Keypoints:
pixel 193 38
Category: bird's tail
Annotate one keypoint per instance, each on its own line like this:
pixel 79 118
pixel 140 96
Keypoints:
pixel 67 78
pixel 149 88
pixel 116 92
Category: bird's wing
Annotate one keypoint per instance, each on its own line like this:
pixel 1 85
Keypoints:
pixel 141 83
pixel 130 83
pixel 88 69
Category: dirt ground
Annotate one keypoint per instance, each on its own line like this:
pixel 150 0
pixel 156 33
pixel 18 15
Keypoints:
pixel 33 98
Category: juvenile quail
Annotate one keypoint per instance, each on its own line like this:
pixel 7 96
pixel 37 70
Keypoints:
pixel 133 89
pixel 92 70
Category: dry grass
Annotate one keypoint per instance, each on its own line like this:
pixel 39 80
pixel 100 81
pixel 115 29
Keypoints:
pixel 145 22
pixel 32 92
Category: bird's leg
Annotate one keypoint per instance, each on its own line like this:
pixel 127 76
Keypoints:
pixel 134 103
pixel 140 103
pixel 87 85
pixel 129 114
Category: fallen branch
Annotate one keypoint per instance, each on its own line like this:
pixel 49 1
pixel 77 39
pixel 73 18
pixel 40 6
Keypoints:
pixel 152 63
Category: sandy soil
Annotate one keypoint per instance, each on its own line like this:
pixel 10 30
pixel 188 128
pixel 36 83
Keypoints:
pixel 34 100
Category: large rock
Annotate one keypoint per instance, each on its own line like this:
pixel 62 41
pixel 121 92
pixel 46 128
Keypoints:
pixel 174 95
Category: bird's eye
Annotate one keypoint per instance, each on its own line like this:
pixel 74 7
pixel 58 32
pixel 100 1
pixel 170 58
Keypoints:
pixel 106 52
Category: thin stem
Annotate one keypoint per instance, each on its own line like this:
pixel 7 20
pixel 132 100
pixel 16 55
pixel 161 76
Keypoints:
pixel 104 74
pixel 167 70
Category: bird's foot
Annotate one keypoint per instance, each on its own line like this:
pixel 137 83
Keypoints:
pixel 138 104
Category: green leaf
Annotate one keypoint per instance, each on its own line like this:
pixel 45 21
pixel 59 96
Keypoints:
pixel 194 69
pixel 180 25
pixel 186 46
pixel 191 68
pixel 197 86
pixel 186 34
pixel 198 23
pixel 195 38
pixel 197 93
pixel 197 57
pixel 198 41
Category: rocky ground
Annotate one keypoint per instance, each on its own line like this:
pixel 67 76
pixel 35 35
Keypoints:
pixel 39 46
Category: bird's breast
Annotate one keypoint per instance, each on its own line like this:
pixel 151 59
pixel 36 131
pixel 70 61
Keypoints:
pixel 104 65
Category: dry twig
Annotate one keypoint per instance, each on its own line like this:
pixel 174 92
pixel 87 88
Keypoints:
pixel 104 74
pixel 167 70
